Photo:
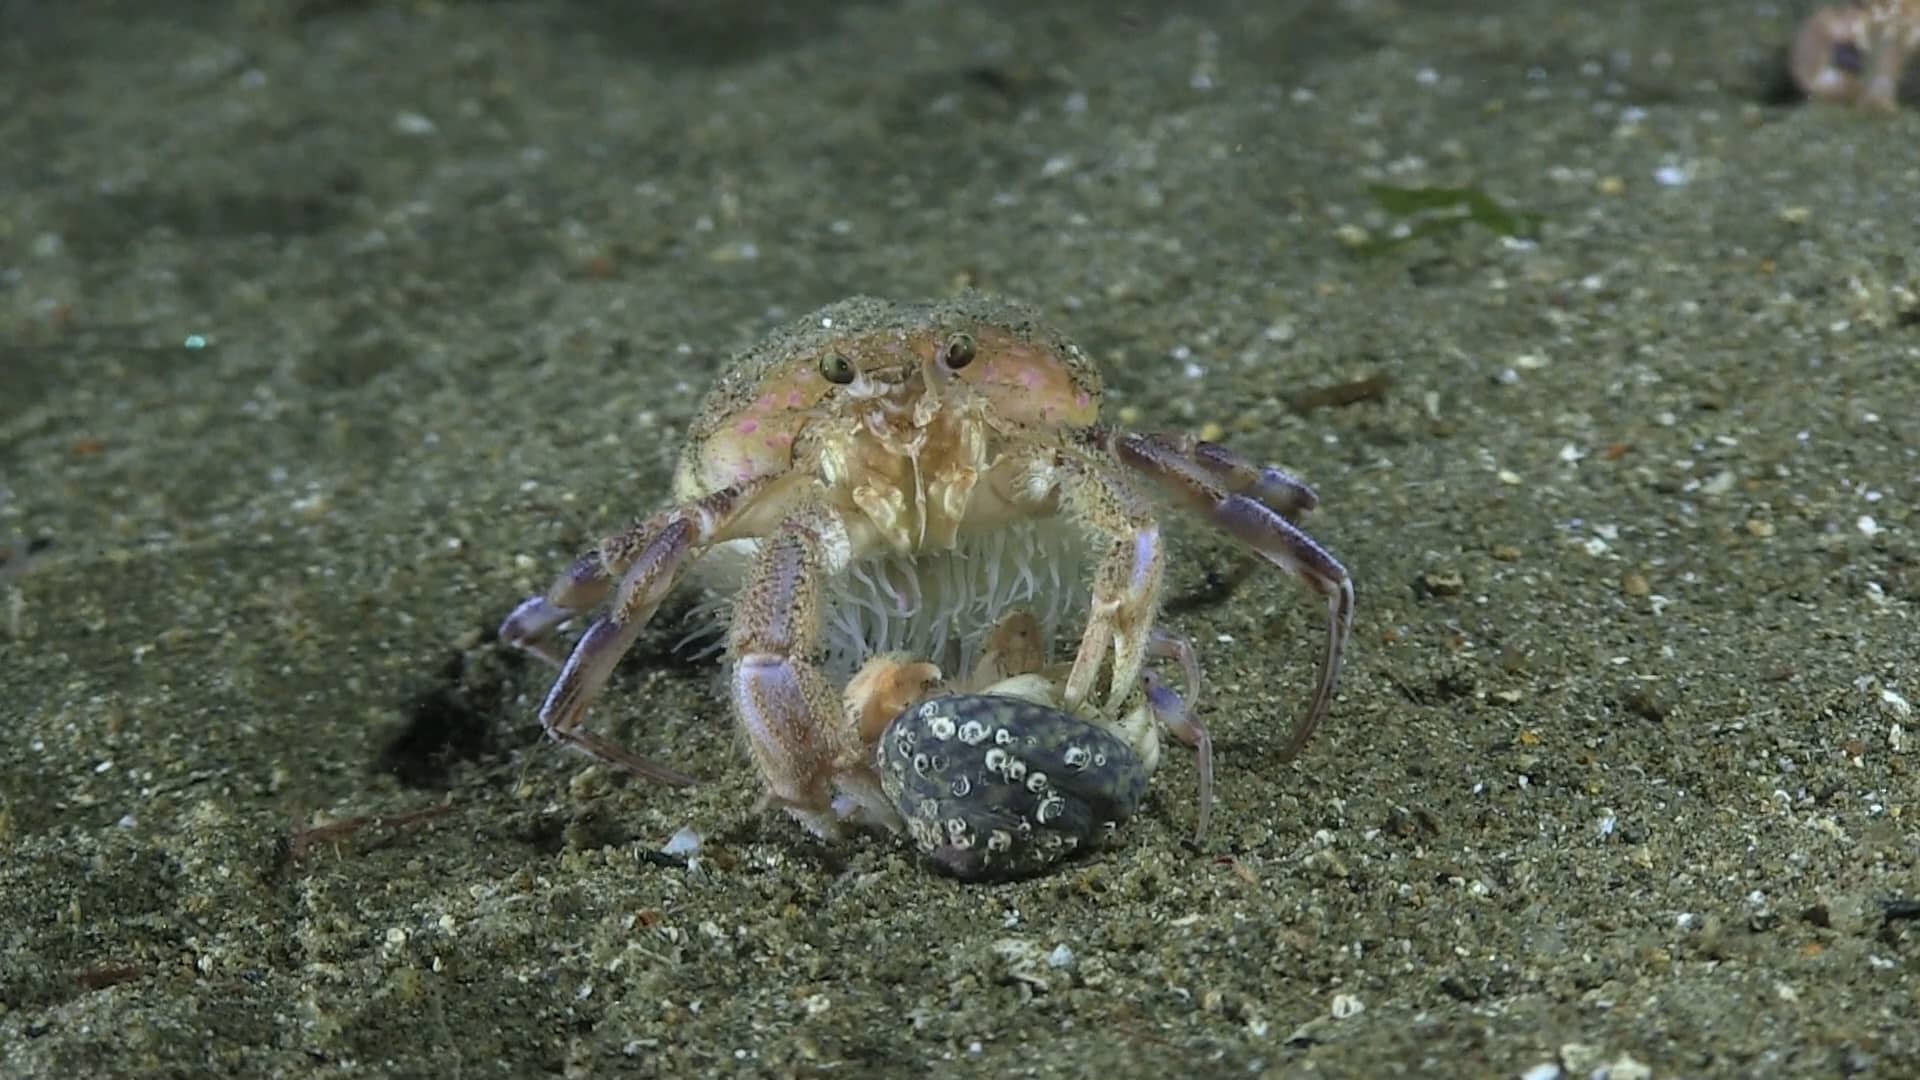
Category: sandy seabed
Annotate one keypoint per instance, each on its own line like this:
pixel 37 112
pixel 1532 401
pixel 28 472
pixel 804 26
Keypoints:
pixel 332 329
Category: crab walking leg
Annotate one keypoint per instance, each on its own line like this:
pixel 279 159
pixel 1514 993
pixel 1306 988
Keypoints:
pixel 1167 645
pixel 589 581
pixel 531 626
pixel 796 730
pixel 1224 467
pixel 648 559
pixel 1126 585
pixel 1176 716
pixel 1275 539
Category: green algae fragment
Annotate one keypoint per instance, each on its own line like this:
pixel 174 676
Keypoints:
pixel 1432 211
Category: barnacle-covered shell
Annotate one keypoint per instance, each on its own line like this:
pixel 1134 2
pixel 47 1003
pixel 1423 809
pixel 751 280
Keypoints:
pixel 997 787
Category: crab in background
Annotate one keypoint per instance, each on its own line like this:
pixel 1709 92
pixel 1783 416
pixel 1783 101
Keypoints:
pixel 1855 53
pixel 894 478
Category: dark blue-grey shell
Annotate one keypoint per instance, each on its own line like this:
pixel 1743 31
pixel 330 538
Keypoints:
pixel 998 787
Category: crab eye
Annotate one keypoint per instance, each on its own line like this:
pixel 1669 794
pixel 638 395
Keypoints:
pixel 960 351
pixel 836 368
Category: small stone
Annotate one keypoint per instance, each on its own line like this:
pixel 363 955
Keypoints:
pixel 1625 1067
pixel 413 123
pixel 1580 1059
pixel 1645 703
pixel 1843 913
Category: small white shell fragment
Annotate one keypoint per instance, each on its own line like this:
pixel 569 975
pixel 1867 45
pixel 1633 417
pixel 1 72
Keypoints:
pixel 1895 704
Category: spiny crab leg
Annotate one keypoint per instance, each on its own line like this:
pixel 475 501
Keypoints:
pixel 1222 466
pixel 531 626
pixel 1265 529
pixel 648 559
pixel 1180 718
pixel 1166 645
pixel 796 730
pixel 1126 584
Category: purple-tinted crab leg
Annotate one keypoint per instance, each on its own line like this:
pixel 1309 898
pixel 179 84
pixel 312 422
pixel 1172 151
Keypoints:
pixel 532 624
pixel 1177 717
pixel 1165 645
pixel 1181 719
pixel 1270 535
pixel 1126 582
pixel 593 658
pixel 648 559
pixel 791 715
pixel 1225 468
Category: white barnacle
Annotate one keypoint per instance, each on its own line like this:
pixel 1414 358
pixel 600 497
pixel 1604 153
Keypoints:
pixel 940 727
pixel 1076 757
pixel 1016 769
pixel 920 763
pixel 957 833
pixel 961 787
pixel 999 840
pixel 1050 809
pixel 930 710
pixel 995 760
pixel 1036 782
pixel 1003 736
pixel 973 733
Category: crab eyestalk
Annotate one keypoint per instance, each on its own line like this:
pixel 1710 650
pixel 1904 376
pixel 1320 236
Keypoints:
pixel 938 367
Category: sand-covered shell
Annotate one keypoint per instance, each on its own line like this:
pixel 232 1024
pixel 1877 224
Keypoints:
pixel 996 787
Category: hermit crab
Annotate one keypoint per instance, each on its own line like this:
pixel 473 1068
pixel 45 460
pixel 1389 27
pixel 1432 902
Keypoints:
pixel 892 479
